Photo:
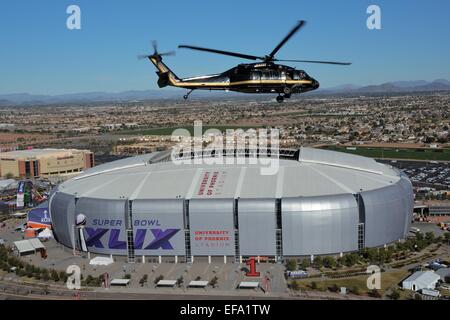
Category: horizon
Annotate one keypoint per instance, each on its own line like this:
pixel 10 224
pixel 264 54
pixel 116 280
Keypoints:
pixel 172 89
pixel 101 57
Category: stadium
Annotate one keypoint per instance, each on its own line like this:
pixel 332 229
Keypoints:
pixel 317 203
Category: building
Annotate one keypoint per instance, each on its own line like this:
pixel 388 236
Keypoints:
pixel 318 202
pixel 30 246
pixel 421 280
pixel 44 162
pixel 443 273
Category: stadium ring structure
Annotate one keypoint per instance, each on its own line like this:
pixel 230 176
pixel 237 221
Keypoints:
pixel 318 202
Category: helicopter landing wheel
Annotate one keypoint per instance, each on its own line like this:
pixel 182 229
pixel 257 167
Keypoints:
pixel 287 91
pixel 186 96
pixel 280 99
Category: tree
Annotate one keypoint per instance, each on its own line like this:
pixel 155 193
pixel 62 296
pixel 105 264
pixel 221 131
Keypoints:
pixel 395 295
pixel 370 254
pixel 291 265
pixel 429 237
pixel 180 281
pixel 63 276
pixel 329 262
pixel 318 262
pixel 28 270
pixel 213 282
pixel 304 264
pixel 143 280
pixel 419 236
pixel 54 275
pixel 351 259
pixel 313 285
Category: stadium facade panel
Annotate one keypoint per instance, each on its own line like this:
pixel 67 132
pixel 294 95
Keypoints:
pixel 319 225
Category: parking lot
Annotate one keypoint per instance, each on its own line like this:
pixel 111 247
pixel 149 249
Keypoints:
pixel 425 227
pixel 424 173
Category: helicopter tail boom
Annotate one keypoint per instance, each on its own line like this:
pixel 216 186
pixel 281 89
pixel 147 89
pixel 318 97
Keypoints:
pixel 166 76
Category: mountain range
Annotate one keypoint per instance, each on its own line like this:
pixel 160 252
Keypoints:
pixel 136 95
pixel 392 87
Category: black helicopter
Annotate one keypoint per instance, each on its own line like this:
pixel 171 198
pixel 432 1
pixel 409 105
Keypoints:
pixel 261 77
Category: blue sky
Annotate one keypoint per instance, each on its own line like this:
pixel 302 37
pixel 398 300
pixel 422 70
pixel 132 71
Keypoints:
pixel 40 55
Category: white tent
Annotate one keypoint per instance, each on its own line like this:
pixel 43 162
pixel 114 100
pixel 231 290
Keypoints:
pixel 101 261
pixel 28 246
pixel 198 284
pixel 166 283
pixel 46 233
pixel 120 282
pixel 249 285
pixel 421 280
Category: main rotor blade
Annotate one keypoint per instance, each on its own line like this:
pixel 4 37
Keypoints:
pixel 300 24
pixel 227 53
pixel 169 53
pixel 146 56
pixel 312 61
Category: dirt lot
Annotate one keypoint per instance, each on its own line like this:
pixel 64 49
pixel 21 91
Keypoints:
pixel 12 139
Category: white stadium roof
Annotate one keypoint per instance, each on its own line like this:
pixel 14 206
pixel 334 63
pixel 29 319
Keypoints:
pixel 317 172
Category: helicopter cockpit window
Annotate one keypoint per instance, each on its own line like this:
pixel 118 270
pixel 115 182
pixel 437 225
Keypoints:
pixel 300 75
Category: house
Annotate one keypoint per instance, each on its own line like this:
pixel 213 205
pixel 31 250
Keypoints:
pixel 421 280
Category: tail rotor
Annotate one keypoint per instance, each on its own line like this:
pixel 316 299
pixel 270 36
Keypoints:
pixel 156 54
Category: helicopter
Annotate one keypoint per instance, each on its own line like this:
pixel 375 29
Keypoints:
pixel 264 76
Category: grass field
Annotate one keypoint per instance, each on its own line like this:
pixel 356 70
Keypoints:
pixel 398 153
pixel 388 279
pixel 168 130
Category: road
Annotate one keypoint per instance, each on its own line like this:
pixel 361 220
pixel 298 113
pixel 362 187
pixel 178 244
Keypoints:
pixel 12 290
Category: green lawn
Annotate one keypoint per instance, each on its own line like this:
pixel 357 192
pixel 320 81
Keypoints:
pixel 398 153
pixel 167 131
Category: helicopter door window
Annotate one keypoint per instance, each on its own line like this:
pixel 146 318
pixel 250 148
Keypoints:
pixel 255 76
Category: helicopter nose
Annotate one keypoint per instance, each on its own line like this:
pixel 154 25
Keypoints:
pixel 315 84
